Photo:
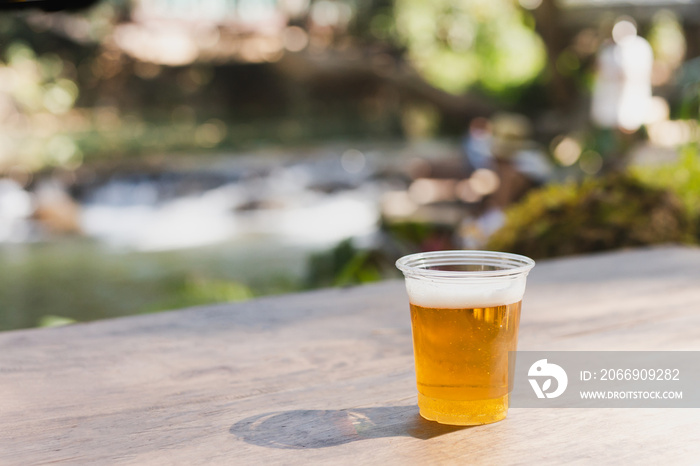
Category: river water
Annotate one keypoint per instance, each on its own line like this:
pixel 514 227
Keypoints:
pixel 193 230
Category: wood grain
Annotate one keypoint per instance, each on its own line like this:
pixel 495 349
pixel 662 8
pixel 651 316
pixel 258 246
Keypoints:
pixel 327 377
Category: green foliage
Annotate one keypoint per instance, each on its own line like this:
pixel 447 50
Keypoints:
pixel 343 265
pixel 41 88
pixel 410 233
pixel 410 237
pixel 682 177
pixel 55 321
pixel 196 291
pixel 598 214
pixel 667 39
pixel 460 43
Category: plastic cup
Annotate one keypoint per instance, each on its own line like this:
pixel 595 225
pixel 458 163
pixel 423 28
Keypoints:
pixel 465 312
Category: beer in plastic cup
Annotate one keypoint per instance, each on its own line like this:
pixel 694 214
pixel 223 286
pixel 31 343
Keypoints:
pixel 465 311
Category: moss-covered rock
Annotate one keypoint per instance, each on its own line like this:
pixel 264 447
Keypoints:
pixel 596 215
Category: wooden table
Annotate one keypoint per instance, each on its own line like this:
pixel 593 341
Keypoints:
pixel 327 377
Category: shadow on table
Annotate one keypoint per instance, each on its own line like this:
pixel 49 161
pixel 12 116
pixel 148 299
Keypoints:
pixel 328 428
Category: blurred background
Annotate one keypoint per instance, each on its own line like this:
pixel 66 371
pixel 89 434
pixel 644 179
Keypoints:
pixel 168 153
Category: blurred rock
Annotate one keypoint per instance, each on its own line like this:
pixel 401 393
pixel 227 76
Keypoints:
pixel 55 210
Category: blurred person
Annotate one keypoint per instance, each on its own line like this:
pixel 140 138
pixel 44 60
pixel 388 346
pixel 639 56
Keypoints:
pixel 622 89
pixel 511 135
pixel 621 93
pixel 477 145
pixel 504 165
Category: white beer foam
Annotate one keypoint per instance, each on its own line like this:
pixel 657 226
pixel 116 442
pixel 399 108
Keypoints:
pixel 457 294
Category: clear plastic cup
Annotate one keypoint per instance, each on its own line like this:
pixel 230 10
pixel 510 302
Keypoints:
pixel 465 311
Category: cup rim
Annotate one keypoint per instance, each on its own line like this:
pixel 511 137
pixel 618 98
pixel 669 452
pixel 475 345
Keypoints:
pixel 418 264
